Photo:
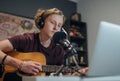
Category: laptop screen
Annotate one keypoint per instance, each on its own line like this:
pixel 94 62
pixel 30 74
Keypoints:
pixel 106 56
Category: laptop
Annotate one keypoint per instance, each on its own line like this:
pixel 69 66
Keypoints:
pixel 105 60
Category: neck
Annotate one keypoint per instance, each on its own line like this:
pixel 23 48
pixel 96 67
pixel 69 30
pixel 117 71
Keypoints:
pixel 45 41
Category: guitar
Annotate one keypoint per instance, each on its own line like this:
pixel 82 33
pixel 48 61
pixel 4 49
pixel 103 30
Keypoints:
pixel 39 57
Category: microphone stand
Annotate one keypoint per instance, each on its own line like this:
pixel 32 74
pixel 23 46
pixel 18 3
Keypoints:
pixel 72 54
pixel 75 61
pixel 70 51
pixel 77 65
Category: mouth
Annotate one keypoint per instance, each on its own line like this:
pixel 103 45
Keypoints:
pixel 53 32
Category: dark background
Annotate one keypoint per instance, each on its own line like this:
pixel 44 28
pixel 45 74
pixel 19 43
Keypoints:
pixel 28 8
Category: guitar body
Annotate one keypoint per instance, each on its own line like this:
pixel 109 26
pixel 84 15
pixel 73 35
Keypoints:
pixel 33 56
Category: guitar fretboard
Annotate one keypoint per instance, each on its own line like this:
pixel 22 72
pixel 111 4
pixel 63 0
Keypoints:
pixel 54 68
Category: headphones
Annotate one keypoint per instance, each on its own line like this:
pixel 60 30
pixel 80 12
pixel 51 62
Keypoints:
pixel 41 21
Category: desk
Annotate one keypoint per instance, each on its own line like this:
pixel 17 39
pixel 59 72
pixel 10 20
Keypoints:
pixel 52 78
pixel 71 78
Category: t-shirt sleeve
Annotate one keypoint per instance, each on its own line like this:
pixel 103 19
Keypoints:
pixel 18 42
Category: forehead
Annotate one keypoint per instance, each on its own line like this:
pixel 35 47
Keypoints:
pixel 55 17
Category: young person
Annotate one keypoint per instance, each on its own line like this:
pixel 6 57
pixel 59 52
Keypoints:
pixel 49 22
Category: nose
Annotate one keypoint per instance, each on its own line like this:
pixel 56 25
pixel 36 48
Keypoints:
pixel 56 27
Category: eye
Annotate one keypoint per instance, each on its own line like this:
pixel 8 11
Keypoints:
pixel 59 25
pixel 53 22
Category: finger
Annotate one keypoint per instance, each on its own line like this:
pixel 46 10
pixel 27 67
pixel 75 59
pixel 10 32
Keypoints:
pixel 37 63
pixel 38 67
pixel 35 70
pixel 76 74
pixel 85 70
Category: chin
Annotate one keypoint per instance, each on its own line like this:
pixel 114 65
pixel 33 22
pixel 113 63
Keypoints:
pixel 50 36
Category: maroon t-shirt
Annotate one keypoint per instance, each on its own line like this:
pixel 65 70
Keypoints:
pixel 29 42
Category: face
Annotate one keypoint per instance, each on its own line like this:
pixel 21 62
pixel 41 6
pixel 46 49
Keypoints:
pixel 53 23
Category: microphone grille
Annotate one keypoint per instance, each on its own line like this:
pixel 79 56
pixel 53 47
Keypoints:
pixel 58 36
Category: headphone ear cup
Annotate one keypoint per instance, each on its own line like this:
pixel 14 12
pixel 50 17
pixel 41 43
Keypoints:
pixel 41 23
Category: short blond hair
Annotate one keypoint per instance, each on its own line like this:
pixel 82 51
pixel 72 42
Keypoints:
pixel 45 13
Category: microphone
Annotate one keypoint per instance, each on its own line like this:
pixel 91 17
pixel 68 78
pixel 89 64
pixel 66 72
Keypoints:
pixel 61 38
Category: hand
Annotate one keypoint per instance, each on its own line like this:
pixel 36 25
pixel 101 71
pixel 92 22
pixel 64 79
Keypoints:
pixel 30 67
pixel 80 72
pixel 83 71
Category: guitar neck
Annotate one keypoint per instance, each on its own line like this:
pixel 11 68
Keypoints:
pixel 54 68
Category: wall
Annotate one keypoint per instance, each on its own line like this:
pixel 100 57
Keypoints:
pixel 94 11
pixel 29 7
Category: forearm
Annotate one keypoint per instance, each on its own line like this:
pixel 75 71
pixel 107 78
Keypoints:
pixel 1 56
pixel 9 60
